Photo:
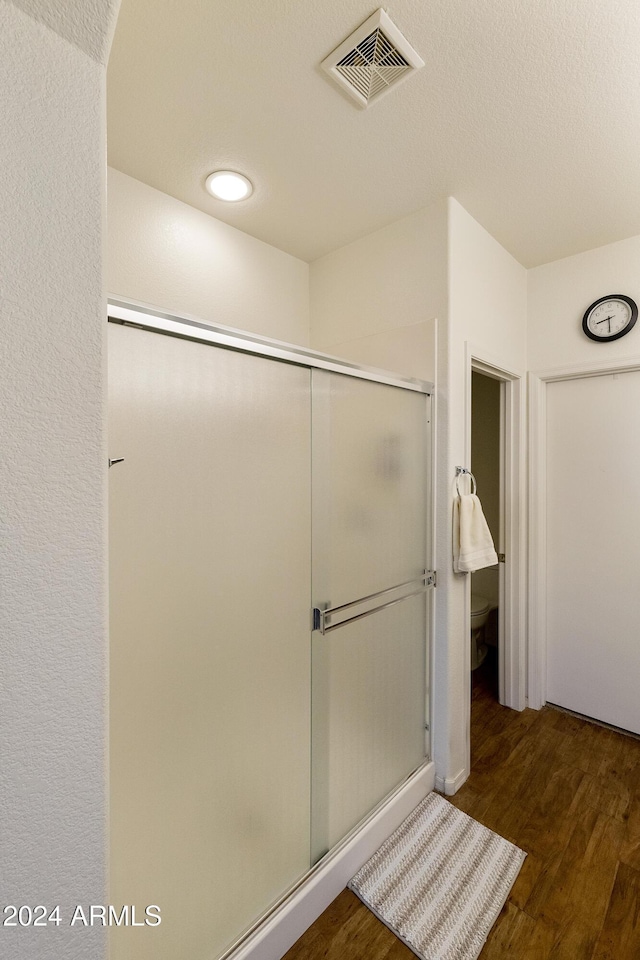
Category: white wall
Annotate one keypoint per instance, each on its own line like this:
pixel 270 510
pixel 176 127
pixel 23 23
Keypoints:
pixel 88 24
pixel 409 351
pixel 388 280
pixel 163 252
pixel 487 308
pixel 487 291
pixel 560 292
pixel 52 475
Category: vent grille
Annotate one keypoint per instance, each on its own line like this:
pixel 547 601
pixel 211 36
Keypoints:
pixel 373 65
pixel 372 60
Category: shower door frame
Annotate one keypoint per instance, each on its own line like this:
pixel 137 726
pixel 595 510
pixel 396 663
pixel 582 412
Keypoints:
pixel 286 919
pixel 141 315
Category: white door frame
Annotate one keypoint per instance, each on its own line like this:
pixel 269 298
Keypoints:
pixel 537 617
pixel 512 659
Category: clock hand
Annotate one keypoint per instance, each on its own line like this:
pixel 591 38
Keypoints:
pixel 605 320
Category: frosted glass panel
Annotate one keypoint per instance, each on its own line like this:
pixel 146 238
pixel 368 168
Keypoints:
pixel 369 713
pixel 371 482
pixel 375 466
pixel 210 653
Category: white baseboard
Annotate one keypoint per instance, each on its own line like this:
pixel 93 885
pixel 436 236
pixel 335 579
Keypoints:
pixel 272 939
pixel 450 785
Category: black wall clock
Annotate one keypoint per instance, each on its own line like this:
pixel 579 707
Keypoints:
pixel 610 318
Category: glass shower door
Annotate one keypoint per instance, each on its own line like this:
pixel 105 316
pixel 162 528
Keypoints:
pixel 210 543
pixel 370 479
pixel 247 488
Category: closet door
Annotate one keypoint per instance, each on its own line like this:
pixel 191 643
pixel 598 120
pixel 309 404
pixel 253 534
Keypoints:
pixel 593 549
pixel 370 470
pixel 210 660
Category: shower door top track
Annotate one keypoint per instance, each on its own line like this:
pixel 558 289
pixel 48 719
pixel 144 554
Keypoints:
pixel 135 314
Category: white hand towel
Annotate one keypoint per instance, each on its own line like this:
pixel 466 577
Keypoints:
pixel 473 546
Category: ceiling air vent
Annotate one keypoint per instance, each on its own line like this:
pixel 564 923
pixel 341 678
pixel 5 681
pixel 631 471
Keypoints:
pixel 372 60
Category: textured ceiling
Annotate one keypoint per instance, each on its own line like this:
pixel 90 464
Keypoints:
pixel 527 112
pixel 88 24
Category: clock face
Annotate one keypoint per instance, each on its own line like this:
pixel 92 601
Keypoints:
pixel 610 318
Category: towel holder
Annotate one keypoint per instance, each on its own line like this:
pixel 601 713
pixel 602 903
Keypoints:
pixel 461 472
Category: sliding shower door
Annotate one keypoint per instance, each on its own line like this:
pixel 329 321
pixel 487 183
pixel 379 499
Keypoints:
pixel 370 474
pixel 210 661
pixel 268 647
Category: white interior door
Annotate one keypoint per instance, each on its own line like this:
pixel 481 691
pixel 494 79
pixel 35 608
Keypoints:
pixel 593 547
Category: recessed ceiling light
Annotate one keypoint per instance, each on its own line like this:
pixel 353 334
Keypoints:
pixel 229 186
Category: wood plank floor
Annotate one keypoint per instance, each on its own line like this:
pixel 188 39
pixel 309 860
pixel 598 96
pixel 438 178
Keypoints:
pixel 567 792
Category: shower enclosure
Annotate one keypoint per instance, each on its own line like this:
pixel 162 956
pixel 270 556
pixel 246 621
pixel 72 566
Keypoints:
pixel 269 548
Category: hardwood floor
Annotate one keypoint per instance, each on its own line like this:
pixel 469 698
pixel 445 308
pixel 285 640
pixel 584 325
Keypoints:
pixel 566 791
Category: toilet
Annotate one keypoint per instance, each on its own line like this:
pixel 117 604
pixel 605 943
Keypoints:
pixel 480 609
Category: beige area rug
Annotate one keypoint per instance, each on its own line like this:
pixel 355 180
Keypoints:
pixel 439 882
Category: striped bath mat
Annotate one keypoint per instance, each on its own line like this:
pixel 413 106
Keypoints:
pixel 439 882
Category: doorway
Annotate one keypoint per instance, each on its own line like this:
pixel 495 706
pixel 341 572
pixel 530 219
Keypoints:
pixel 508 458
pixel 487 585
